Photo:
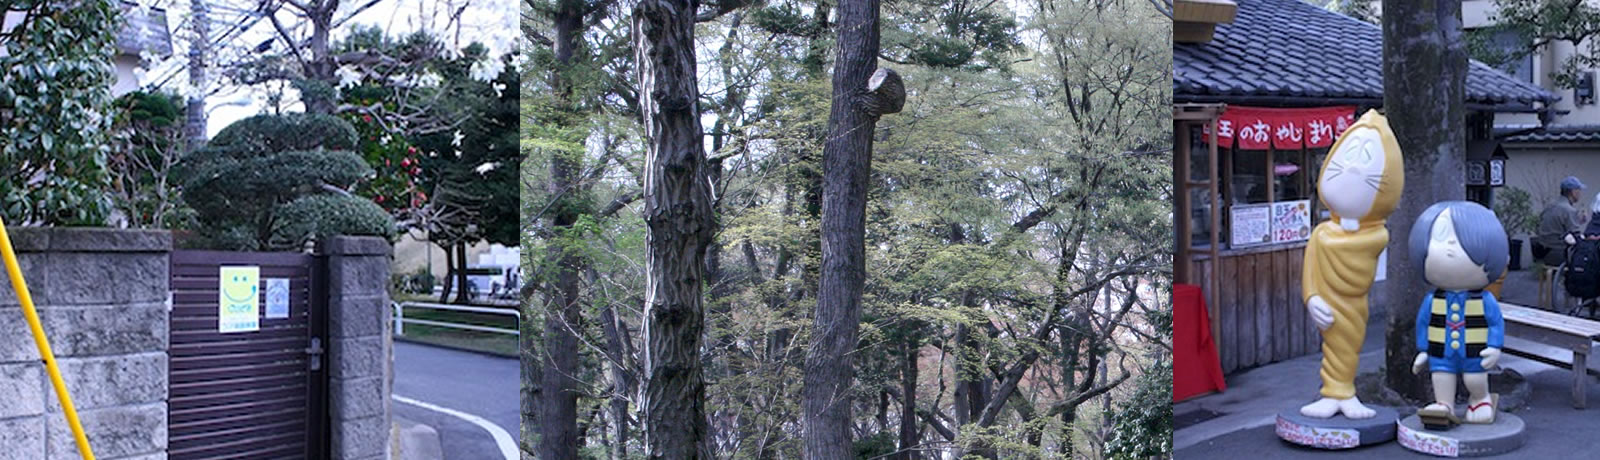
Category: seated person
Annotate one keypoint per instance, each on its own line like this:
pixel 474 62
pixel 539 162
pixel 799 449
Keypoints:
pixel 1558 220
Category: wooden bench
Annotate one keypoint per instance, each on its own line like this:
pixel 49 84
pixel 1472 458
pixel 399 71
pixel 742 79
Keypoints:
pixel 1553 329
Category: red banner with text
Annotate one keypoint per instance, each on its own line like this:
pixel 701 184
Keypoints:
pixel 1258 128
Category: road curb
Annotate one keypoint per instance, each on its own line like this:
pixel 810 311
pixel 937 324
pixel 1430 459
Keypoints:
pixel 416 441
pixel 454 347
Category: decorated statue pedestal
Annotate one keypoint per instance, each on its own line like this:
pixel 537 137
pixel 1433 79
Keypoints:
pixel 1465 440
pixel 1337 432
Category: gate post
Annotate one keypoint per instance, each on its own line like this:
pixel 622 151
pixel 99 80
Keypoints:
pixel 360 361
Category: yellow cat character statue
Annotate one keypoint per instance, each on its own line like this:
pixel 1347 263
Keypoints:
pixel 1360 185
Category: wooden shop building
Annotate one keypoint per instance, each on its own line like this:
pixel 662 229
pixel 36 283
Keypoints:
pixel 1260 90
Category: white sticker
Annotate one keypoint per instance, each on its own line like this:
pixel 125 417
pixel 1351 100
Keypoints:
pixel 238 299
pixel 277 298
pixel 1429 443
pixel 1383 266
pixel 1326 438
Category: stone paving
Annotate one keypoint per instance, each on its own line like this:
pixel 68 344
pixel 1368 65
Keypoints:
pixel 1238 423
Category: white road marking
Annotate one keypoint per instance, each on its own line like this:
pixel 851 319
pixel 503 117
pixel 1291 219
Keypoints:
pixel 508 448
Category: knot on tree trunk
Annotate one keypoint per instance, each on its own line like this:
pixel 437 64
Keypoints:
pixel 886 93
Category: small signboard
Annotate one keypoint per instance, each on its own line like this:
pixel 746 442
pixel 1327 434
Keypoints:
pixel 238 299
pixel 1291 221
pixel 1250 225
pixel 1325 438
pixel 1428 443
pixel 277 298
pixel 1477 173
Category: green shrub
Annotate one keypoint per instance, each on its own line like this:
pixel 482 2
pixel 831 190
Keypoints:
pixel 1514 206
pixel 55 113
pixel 273 182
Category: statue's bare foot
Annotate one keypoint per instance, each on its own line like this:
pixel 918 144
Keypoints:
pixel 1323 408
pixel 1352 408
pixel 1481 411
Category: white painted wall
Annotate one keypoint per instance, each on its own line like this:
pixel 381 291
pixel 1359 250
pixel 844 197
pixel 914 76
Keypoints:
pixel 413 251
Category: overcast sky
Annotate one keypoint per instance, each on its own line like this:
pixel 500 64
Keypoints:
pixel 491 22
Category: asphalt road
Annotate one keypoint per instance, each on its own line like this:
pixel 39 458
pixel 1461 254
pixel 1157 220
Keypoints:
pixel 472 383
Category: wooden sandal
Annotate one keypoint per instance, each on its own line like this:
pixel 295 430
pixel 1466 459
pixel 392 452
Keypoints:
pixel 1438 419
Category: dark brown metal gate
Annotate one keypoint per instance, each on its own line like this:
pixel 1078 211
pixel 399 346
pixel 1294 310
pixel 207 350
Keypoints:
pixel 247 395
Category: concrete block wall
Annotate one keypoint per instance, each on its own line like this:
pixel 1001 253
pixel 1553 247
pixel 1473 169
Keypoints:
pixel 359 349
pixel 102 298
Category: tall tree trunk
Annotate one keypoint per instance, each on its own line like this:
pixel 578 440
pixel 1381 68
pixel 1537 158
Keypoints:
pixel 464 290
pixel 323 84
pixel 558 393
pixel 908 404
pixel 1424 81
pixel 194 126
pixel 847 164
pixel 618 353
pixel 450 268
pixel 678 215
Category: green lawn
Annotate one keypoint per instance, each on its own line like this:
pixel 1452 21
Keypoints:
pixel 489 342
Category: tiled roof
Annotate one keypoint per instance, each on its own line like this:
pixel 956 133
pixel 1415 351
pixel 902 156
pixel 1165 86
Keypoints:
pixel 1568 133
pixel 1293 50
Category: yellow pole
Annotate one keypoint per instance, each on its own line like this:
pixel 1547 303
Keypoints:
pixel 21 288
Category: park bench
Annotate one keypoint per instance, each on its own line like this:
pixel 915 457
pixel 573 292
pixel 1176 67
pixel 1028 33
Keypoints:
pixel 1570 333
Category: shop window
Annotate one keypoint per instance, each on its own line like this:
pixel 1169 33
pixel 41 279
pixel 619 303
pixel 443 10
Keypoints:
pixel 1200 218
pixel 1248 183
pixel 1268 160
pixel 1199 169
pixel 1270 195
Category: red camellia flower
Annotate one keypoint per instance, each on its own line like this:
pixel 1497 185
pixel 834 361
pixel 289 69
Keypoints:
pixel 405 163
pixel 411 150
pixel 378 199
pixel 416 171
pixel 366 118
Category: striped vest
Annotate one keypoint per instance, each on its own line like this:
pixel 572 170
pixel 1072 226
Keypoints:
pixel 1454 328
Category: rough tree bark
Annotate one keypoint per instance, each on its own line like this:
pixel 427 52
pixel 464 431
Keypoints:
pixel 464 289
pixel 1424 81
pixel 859 98
pixel 557 404
pixel 448 283
pixel 677 211
pixel 321 66
pixel 908 405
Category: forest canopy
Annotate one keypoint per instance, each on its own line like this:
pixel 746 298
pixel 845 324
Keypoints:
pixel 1017 229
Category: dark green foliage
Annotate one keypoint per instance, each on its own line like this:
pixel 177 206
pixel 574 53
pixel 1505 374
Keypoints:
pixel 265 183
pixel 875 446
pixel 148 141
pixel 315 216
pixel 940 33
pixel 268 134
pixel 480 174
pixel 54 105
pixel 1524 27
pixel 1144 422
pixel 1514 206
pixel 158 110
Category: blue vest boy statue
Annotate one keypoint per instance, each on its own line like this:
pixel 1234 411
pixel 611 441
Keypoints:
pixel 1462 248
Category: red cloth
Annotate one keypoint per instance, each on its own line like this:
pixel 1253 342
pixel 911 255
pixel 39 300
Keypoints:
pixel 1195 368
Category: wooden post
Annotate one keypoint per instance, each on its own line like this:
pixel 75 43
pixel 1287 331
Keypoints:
pixel 1580 375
